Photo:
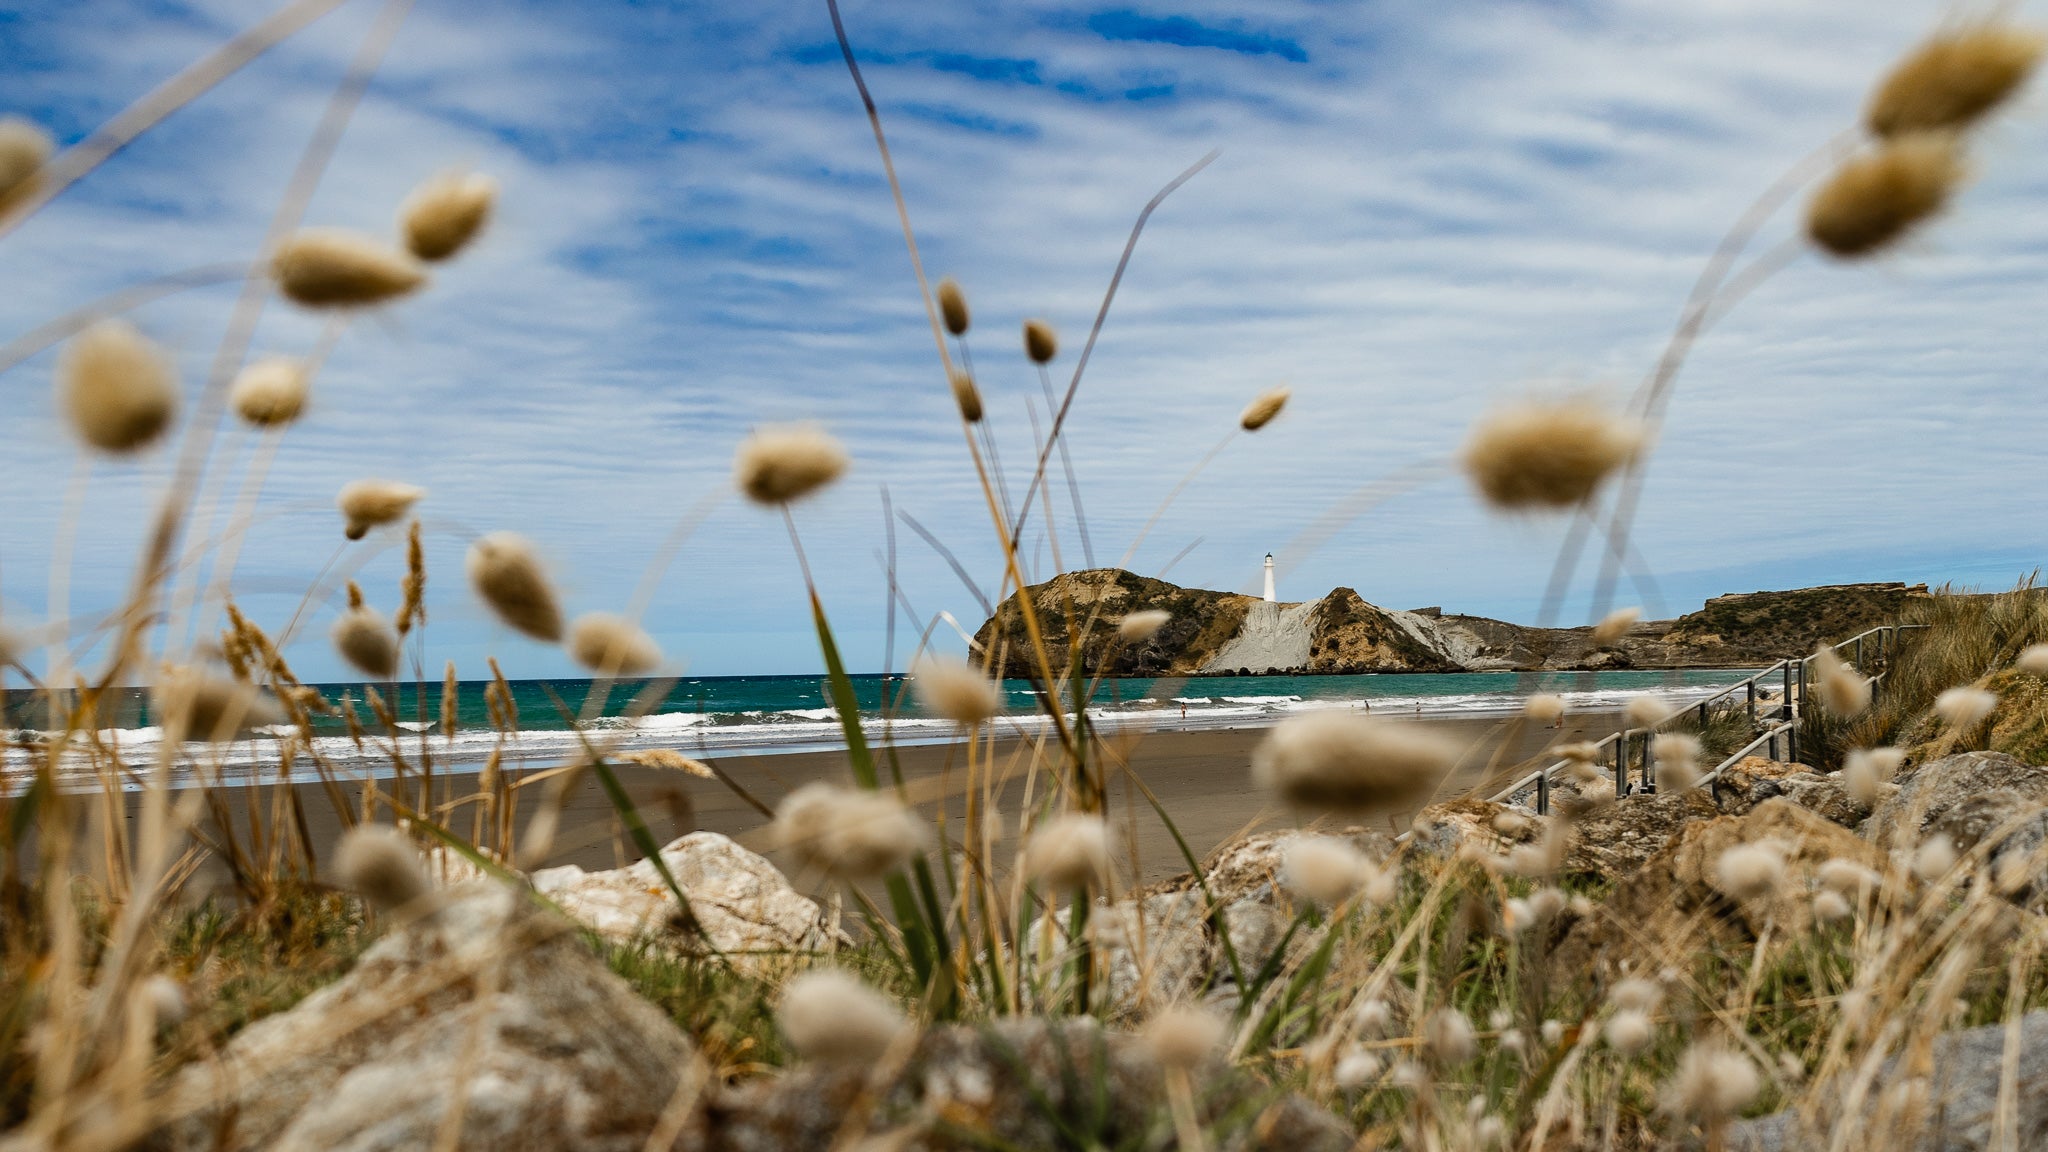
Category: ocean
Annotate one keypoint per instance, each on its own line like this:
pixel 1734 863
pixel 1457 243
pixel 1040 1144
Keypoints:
pixel 771 714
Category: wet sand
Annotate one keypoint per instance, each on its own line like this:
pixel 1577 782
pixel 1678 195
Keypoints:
pixel 1201 778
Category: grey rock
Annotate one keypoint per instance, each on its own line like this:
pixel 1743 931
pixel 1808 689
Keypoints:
pixel 1017 1083
pixel 491 1001
pixel 1930 791
pixel 1961 1101
pixel 2017 825
pixel 1824 796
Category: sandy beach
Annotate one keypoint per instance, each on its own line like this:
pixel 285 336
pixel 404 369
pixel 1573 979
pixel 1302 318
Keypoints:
pixel 1201 778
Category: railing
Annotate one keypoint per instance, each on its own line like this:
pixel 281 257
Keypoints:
pixel 1784 722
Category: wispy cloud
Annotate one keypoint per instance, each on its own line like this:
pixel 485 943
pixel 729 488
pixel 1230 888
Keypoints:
pixel 1418 210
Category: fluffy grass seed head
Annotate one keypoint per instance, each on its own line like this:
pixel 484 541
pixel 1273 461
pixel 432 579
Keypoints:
pixel 1614 626
pixel 24 149
pixel 507 574
pixel 1068 851
pixel 1356 1069
pixel 1347 762
pixel 1184 1037
pixel 1646 711
pixel 1550 454
pixel 444 214
pixel 952 688
pixel 367 504
pixel 367 641
pixel 336 268
pixel 1963 707
pixel 1636 994
pixel 1933 859
pixel 1846 876
pixel 1138 627
pixel 1953 79
pixel 611 645
pixel 1041 343
pixel 666 759
pixel 1677 756
pixel 847 833
pixel 1831 907
pixel 380 864
pixel 271 392
pixel 1842 691
pixel 966 396
pixel 1447 1037
pixel 1323 868
pixel 1864 769
pixel 1544 708
pixel 2033 660
pixel 1874 199
pixel 196 706
pixel 1264 408
pixel 1749 870
pixel 118 388
pixel 1629 1031
pixel 1712 1084
pixel 953 307
pixel 785 462
pixel 829 1015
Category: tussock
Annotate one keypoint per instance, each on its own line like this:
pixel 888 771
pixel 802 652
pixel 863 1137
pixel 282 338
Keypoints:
pixel 117 387
pixel 335 268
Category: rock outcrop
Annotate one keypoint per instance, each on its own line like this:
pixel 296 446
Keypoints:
pixel 1929 792
pixel 491 1007
pixel 1222 632
pixel 1959 1098
pixel 744 906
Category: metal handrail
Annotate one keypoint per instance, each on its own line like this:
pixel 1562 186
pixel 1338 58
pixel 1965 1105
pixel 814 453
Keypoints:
pixel 1789 714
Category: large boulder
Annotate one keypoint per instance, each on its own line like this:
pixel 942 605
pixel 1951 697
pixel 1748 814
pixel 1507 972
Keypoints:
pixel 1930 791
pixel 1017 1083
pixel 2015 826
pixel 1960 1111
pixel 490 1006
pixel 744 907
pixel 1674 901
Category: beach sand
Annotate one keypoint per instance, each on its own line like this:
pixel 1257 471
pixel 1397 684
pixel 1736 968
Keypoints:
pixel 1201 778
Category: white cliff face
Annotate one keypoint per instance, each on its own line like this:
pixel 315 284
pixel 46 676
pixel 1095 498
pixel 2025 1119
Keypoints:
pixel 1275 637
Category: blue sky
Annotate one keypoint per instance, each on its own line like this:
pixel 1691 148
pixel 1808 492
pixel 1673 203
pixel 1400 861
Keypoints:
pixel 1419 210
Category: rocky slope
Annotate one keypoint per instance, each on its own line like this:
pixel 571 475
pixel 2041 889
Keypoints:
pixel 1221 632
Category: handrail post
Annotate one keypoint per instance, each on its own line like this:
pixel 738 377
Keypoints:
pixel 1751 685
pixel 1543 792
pixel 1621 764
pixel 1785 711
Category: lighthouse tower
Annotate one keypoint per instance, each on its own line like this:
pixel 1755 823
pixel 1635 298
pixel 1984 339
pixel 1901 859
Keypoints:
pixel 1270 598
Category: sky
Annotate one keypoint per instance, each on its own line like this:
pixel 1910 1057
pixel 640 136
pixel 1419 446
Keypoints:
pixel 1417 211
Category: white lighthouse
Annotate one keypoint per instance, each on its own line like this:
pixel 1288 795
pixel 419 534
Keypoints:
pixel 1270 598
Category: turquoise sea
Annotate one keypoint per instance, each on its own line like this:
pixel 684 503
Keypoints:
pixel 767 714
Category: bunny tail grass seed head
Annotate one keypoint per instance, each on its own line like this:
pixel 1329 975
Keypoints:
pixel 1544 708
pixel 955 689
pixel 1749 870
pixel 1629 1031
pixel 1831 907
pixel 1548 455
pixel 1712 1084
pixel 1864 771
pixel 1847 877
pixel 953 306
pixel 847 833
pixel 1138 627
pixel 443 215
pixel 1954 79
pixel 829 1015
pixel 966 397
pixel 507 574
pixel 367 504
pixel 271 392
pixel 1346 762
pixel 336 268
pixel 1646 711
pixel 785 462
pixel 1677 756
pixel 1447 1037
pixel 1264 408
pixel 196 706
pixel 1068 851
pixel 1965 706
pixel 1874 199
pixel 1614 626
pixel 1636 994
pixel 368 641
pixel 1041 343
pixel 24 149
pixel 379 863
pixel 1323 869
pixel 1184 1036
pixel 118 388
pixel 2033 660
pixel 1841 690
pixel 668 760
pixel 1935 856
pixel 611 645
